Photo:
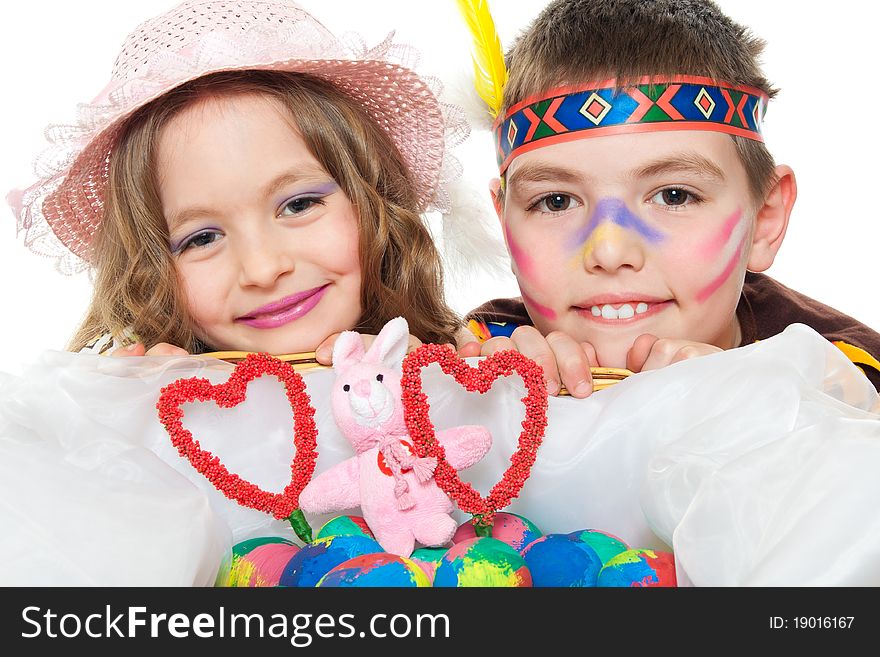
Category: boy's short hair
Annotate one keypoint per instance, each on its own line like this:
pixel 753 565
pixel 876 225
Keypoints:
pixel 576 41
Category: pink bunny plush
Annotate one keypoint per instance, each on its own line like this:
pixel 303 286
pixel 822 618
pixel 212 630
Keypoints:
pixel 396 491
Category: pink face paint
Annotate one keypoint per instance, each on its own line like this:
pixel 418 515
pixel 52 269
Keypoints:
pixel 522 261
pixel 543 310
pixel 719 280
pixel 711 249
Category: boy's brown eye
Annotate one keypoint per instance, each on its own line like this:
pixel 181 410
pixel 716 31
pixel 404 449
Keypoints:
pixel 558 202
pixel 674 196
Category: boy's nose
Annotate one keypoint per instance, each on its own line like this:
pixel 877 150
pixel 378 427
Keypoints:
pixel 612 247
pixel 263 260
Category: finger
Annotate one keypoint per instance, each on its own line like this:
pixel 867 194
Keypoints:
pixel 469 349
pixel 590 353
pixel 136 349
pixel 414 343
pixel 572 364
pixel 694 350
pixel 165 349
pixel 639 352
pixel 531 343
pixel 663 353
pixel 324 351
pixel 492 345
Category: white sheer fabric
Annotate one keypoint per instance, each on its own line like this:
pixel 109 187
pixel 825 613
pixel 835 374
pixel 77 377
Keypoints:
pixel 758 466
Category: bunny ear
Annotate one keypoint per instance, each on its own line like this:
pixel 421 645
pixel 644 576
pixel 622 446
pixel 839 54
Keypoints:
pixel 391 344
pixel 347 350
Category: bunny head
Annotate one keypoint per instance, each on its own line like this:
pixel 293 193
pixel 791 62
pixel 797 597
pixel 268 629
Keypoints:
pixel 366 394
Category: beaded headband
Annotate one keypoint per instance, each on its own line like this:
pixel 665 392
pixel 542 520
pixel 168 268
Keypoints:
pixel 681 102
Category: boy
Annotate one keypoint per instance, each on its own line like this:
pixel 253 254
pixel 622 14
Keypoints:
pixel 639 211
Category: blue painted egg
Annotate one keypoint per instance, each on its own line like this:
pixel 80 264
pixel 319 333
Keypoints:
pixel 639 568
pixel 321 556
pixel 482 562
pixel 606 545
pixel 561 560
pixel 377 569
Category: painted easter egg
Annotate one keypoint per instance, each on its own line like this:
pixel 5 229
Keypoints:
pixel 322 555
pixel 482 562
pixel 606 545
pixel 345 526
pixel 639 568
pixel 257 562
pixel 561 560
pixel 509 528
pixel 376 569
pixel 428 558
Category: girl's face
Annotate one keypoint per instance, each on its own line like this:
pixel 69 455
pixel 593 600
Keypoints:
pixel 264 240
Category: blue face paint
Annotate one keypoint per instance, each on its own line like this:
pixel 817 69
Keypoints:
pixel 615 211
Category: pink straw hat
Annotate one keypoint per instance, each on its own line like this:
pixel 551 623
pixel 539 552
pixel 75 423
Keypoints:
pixel 199 37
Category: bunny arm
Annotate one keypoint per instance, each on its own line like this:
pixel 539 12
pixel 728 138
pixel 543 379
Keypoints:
pixel 465 445
pixel 333 490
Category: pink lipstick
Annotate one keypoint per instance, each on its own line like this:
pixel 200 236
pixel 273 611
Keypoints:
pixel 286 310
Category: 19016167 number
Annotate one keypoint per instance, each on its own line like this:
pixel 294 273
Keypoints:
pixel 822 622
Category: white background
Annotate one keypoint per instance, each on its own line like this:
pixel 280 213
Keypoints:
pixel 824 123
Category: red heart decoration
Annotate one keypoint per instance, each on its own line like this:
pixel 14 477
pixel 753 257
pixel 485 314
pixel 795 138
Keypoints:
pixel 232 393
pixel 480 379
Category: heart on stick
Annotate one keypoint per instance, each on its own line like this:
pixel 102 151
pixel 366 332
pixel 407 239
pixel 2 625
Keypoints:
pixel 227 395
pixel 475 379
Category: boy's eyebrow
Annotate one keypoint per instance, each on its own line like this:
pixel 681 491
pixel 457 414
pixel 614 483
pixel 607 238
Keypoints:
pixel 540 172
pixel 681 162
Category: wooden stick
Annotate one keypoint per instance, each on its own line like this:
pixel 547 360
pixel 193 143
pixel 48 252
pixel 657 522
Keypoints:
pixel 603 377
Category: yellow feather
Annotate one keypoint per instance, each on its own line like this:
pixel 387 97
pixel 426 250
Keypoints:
pixel 490 74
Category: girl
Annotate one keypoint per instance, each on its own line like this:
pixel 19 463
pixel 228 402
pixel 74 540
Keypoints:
pixel 247 182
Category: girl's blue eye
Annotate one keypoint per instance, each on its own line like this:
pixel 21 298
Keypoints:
pixel 299 205
pixel 197 240
pixel 555 202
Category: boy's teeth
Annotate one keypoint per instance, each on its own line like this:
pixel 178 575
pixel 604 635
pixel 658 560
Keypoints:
pixel 624 312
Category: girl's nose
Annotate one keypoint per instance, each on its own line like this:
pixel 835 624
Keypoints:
pixel 263 260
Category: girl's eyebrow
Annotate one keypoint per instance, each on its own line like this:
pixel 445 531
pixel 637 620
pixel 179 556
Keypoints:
pixel 681 163
pixel 305 174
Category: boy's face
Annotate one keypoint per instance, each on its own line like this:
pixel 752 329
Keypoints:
pixel 617 236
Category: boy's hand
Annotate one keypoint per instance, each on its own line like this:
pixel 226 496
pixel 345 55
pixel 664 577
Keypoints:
pixel 564 361
pixel 161 349
pixel 649 352
pixel 324 351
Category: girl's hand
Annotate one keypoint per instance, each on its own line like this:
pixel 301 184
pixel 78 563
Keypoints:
pixel 161 349
pixel 649 352
pixel 564 361
pixel 324 351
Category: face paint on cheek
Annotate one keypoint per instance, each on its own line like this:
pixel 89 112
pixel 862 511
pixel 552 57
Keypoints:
pixel 726 247
pixel 521 260
pixel 544 311
pixel 710 249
